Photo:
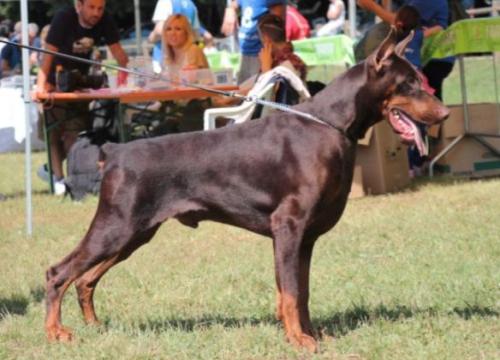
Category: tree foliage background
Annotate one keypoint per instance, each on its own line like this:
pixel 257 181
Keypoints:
pixel 41 11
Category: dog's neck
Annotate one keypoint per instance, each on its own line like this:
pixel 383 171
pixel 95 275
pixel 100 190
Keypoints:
pixel 353 108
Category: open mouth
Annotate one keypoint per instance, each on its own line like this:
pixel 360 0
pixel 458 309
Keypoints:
pixel 408 131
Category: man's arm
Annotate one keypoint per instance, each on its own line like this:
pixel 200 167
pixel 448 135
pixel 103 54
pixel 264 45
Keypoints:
pixel 428 31
pixel 230 21
pixel 122 60
pixel 378 10
pixel 279 9
pixel 155 34
pixel 334 11
pixel 42 85
pixel 119 54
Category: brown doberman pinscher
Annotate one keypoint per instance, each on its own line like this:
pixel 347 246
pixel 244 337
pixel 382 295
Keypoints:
pixel 283 176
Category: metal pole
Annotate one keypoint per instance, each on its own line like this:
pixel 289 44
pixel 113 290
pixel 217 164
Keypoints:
pixel 496 87
pixel 138 32
pixel 352 18
pixel 463 88
pixel 27 117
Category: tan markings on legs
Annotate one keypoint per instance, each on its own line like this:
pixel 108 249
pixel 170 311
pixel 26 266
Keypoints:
pixel 292 324
pixel 53 327
pixel 85 287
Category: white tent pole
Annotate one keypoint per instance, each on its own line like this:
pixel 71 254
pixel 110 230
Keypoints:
pixel 27 116
pixel 352 18
pixel 138 32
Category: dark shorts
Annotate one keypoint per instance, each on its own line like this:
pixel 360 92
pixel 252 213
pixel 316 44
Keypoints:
pixel 69 117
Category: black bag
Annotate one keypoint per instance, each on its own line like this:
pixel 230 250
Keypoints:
pixel 84 176
pixel 71 80
pixel 456 11
pixel 371 40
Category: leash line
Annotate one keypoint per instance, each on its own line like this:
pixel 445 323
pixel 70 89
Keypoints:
pixel 118 68
pixel 287 108
pixel 271 104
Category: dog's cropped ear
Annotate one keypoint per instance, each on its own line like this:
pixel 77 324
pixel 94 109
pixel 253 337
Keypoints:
pixel 401 46
pixel 384 51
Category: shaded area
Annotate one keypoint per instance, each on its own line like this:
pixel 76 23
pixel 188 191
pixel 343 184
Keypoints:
pixel 338 324
pixel 207 321
pixel 18 304
pixel 342 323
pixel 22 194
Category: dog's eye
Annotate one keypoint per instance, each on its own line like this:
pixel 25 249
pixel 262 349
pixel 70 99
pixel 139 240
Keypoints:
pixel 404 87
pixel 408 85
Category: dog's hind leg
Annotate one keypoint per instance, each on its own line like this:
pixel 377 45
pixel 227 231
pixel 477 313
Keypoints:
pixel 86 284
pixel 107 237
pixel 287 228
pixel 85 287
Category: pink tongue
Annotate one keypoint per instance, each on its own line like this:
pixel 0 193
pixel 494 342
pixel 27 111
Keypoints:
pixel 408 131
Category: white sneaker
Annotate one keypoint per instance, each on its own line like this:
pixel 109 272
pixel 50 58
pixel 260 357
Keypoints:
pixel 59 187
pixel 43 173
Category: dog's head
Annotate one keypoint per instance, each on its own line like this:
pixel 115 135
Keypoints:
pixel 402 97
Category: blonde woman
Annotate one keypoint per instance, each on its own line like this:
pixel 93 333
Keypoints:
pixel 180 51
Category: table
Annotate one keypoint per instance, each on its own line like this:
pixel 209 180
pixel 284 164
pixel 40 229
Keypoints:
pixel 465 37
pixel 326 50
pixel 123 97
pixel 316 51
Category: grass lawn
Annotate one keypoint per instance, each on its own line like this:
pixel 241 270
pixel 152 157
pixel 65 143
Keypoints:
pixel 413 275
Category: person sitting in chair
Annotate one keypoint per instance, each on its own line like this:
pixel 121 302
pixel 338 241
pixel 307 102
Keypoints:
pixel 180 51
pixel 276 51
pixel 180 54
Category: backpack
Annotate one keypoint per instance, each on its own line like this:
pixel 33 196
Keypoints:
pixel 84 176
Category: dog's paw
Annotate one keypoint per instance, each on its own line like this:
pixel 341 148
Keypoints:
pixel 59 334
pixel 305 342
pixel 309 343
pixel 93 321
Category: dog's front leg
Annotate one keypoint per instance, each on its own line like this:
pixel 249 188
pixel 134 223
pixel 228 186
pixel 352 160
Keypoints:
pixel 304 271
pixel 287 232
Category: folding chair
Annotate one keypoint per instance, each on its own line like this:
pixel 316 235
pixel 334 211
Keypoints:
pixel 237 114
pixel 263 89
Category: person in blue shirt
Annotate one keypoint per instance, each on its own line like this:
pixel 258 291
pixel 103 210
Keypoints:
pixel 434 18
pixel 408 19
pixel 11 57
pixel 248 36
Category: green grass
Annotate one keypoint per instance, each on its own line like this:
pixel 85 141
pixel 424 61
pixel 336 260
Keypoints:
pixel 413 275
pixel 479 78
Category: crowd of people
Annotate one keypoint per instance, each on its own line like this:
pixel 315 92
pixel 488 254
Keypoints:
pixel 10 55
pixel 264 28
